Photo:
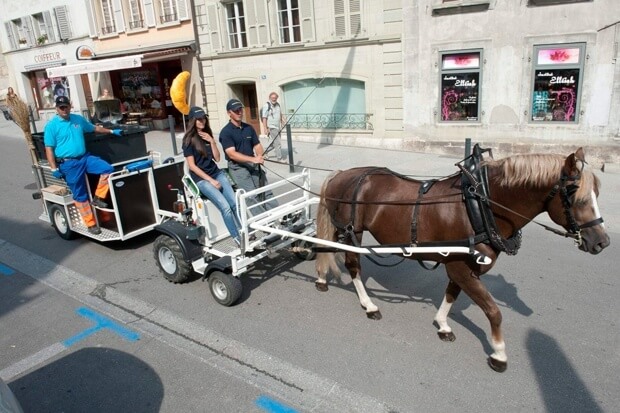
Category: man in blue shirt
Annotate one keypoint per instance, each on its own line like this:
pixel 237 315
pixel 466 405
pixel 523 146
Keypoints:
pixel 244 153
pixel 65 149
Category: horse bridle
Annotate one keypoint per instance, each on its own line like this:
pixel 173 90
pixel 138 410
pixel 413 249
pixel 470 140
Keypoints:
pixel 567 191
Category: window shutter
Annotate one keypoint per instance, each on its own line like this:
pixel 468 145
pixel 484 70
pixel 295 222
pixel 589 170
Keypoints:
pixel 251 23
pixel 8 26
pixel 119 20
pixel 306 9
pixel 49 26
pixel 261 22
pixel 340 24
pixel 62 18
pixel 355 17
pixel 149 13
pixel 182 10
pixel 214 29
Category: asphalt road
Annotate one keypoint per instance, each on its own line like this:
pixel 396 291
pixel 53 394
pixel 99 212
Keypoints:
pixel 89 326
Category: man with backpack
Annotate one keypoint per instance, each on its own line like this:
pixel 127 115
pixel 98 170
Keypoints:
pixel 273 121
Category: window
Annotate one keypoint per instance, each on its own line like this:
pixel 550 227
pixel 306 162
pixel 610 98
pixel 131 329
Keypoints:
pixel 235 18
pixel 22 31
pixel 556 83
pixel 288 20
pixel 48 89
pixel 168 11
pixel 136 18
pixel 107 15
pixel 44 30
pixel 348 18
pixel 460 86
pixel 330 103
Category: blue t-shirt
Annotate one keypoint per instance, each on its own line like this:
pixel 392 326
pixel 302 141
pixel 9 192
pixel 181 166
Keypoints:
pixel 67 136
pixel 242 138
pixel 206 163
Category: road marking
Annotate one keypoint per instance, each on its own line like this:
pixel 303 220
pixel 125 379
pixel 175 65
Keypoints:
pixel 31 361
pixel 4 270
pixel 272 406
pixel 101 322
pixel 290 383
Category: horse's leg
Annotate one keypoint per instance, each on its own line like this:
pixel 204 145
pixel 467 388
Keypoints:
pixel 352 263
pixel 441 318
pixel 475 289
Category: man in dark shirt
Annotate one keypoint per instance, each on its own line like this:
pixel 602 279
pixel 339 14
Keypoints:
pixel 244 154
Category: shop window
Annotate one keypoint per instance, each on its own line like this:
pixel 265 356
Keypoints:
pixel 140 92
pixel 460 86
pixel 48 89
pixel 556 85
pixel 330 103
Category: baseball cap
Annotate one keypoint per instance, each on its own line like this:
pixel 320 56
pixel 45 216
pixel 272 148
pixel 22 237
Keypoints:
pixel 233 104
pixel 196 113
pixel 62 101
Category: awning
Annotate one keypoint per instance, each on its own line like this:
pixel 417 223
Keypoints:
pixel 166 54
pixel 39 66
pixel 93 66
pixel 157 51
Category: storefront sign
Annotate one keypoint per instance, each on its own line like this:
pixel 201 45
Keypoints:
pixel 103 65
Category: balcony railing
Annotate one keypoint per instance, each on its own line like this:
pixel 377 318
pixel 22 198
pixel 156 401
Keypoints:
pixel 331 121
pixel 167 18
pixel 108 29
pixel 136 24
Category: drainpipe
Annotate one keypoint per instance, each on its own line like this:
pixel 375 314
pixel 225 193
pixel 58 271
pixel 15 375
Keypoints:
pixel 198 59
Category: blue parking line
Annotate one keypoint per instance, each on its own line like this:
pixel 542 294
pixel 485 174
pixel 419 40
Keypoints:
pixel 101 322
pixel 272 406
pixel 4 270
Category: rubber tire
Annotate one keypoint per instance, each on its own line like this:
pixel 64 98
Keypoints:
pixel 169 258
pixel 225 288
pixel 305 256
pixel 58 216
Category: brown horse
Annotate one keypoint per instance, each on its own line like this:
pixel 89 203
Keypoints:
pixel 403 211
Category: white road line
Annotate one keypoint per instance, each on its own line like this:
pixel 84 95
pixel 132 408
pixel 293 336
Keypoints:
pixel 284 380
pixel 32 361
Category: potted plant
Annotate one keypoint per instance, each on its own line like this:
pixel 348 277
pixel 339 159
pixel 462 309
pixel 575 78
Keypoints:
pixel 42 39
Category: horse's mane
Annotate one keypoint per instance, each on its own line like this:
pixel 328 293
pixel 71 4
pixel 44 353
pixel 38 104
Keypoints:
pixel 538 171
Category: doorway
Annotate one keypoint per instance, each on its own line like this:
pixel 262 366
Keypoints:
pixel 251 112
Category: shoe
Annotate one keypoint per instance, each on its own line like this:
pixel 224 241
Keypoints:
pixel 95 230
pixel 99 203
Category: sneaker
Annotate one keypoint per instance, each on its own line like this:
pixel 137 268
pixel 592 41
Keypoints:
pixel 99 203
pixel 95 230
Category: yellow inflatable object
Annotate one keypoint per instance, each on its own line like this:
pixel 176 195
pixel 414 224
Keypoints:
pixel 177 92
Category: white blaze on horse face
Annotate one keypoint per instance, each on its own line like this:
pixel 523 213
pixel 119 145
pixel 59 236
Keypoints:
pixel 597 212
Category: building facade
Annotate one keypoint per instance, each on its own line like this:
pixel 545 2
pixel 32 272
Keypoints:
pixel 521 76
pixel 337 65
pixel 133 48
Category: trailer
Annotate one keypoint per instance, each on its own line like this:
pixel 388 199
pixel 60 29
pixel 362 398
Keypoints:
pixel 139 199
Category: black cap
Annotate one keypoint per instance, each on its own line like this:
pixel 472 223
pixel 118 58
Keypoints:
pixel 233 104
pixel 62 101
pixel 196 113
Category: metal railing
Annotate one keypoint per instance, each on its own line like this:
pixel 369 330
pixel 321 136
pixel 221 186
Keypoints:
pixel 167 18
pixel 331 121
pixel 136 24
pixel 108 29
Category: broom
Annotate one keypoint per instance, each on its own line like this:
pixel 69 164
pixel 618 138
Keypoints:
pixel 21 116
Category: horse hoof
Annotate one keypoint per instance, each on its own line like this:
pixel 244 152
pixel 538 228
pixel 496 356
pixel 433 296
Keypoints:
pixel 449 336
pixel 498 366
pixel 322 287
pixel 374 315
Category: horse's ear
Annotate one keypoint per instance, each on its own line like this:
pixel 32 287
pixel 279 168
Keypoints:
pixel 575 162
pixel 580 155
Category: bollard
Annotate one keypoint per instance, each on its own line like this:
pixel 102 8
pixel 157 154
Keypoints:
pixel 172 134
pixel 467 147
pixel 289 148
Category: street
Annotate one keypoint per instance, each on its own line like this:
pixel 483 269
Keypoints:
pixel 90 326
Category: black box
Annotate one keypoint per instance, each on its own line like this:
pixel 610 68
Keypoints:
pixel 111 148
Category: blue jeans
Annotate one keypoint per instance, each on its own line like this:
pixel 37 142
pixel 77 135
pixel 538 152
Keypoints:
pixel 224 200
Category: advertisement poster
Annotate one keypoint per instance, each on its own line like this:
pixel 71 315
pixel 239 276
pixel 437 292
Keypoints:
pixel 555 95
pixel 459 96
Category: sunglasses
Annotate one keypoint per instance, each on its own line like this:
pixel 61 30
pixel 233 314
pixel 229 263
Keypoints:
pixel 237 111
pixel 63 107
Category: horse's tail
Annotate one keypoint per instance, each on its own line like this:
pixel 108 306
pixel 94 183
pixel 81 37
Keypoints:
pixel 325 229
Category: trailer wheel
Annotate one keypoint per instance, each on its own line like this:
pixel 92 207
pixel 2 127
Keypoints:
pixel 225 288
pixel 170 260
pixel 307 254
pixel 60 222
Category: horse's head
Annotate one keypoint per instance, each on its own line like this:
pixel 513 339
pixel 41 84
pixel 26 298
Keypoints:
pixel 572 203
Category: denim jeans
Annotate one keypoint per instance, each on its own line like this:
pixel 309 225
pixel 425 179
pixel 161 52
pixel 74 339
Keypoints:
pixel 224 200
